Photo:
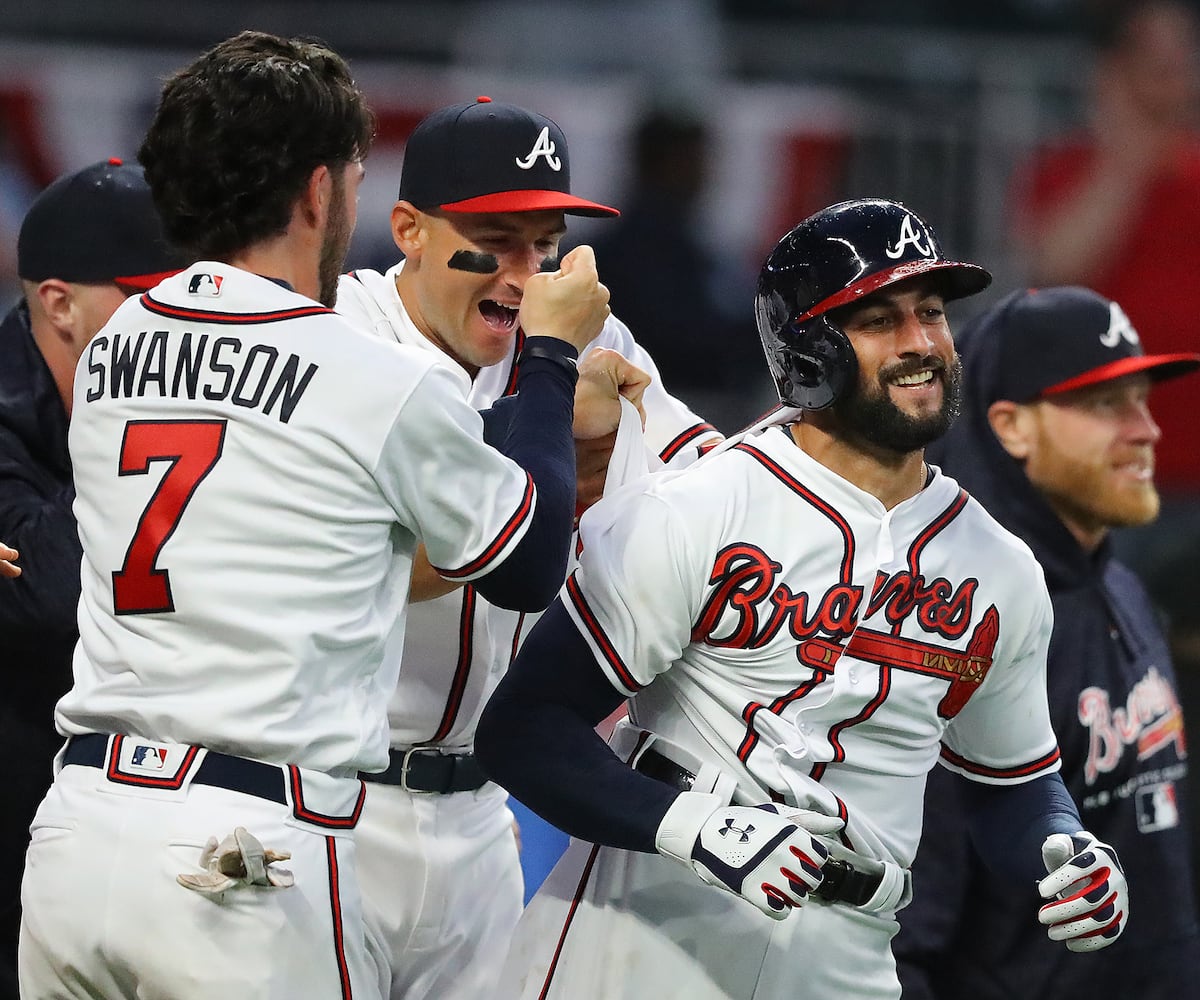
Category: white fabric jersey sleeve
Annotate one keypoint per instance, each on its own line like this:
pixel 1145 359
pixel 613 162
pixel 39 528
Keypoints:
pixel 779 622
pixel 457 647
pixel 253 475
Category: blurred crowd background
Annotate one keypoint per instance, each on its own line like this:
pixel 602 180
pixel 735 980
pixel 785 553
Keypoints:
pixel 1053 141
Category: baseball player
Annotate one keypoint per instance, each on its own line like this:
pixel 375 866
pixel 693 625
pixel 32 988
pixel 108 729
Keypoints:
pixel 483 193
pixel 805 621
pixel 253 476
pixel 1062 451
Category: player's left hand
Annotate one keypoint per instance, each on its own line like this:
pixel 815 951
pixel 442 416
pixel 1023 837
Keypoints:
pixel 238 860
pixel 8 558
pixel 605 376
pixel 1087 884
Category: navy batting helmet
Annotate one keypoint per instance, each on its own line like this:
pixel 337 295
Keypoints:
pixel 831 259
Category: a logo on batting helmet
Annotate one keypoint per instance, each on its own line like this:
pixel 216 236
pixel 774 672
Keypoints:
pixel 832 259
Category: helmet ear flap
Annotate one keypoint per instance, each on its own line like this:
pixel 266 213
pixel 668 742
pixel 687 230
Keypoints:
pixel 813 363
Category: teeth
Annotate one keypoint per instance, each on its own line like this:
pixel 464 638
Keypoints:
pixel 918 379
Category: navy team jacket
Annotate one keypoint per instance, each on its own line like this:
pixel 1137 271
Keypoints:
pixel 1114 706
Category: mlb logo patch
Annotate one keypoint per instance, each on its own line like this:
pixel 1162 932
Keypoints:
pixel 1157 807
pixel 148 758
pixel 205 284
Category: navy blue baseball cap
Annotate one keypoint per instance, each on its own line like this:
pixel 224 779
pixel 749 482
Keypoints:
pixel 94 226
pixel 490 157
pixel 1053 340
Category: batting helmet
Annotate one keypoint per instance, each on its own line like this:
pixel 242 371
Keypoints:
pixel 832 259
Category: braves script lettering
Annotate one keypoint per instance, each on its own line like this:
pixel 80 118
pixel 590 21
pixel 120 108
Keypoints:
pixel 744 582
pixel 1151 719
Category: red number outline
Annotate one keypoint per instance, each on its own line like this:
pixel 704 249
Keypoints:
pixel 193 448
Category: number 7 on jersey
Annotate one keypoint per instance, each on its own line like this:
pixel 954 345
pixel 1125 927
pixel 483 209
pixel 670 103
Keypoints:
pixel 193 448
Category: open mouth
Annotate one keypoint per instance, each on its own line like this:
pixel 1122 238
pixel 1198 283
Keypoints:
pixel 500 318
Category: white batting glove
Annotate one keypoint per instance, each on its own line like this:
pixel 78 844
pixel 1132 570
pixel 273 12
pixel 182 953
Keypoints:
pixel 760 853
pixel 238 860
pixel 1091 895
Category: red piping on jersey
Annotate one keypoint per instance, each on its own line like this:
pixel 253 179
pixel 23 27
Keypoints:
pixel 682 439
pixel 210 316
pixel 935 526
pixel 778 705
pixel 516 639
pixel 1020 771
pixel 174 782
pixel 511 385
pixel 462 669
pixel 502 539
pixel 869 709
pixel 806 494
pixel 301 811
pixel 335 914
pixel 562 937
pixel 597 633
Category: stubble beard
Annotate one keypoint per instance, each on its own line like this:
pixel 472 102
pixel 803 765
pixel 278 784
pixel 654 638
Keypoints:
pixel 335 244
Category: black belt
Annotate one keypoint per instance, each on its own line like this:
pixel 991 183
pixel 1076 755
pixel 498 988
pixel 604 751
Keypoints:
pixel 426 769
pixel 842 882
pixel 237 774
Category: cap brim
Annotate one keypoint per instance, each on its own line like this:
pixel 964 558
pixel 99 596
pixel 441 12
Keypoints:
pixel 958 281
pixel 530 201
pixel 144 282
pixel 1158 366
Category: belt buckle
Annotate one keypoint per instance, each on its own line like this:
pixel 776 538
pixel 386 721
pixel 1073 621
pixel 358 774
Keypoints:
pixel 833 873
pixel 404 765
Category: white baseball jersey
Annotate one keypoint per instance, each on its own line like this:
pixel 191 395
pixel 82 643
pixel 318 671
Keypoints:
pixel 459 646
pixel 774 619
pixel 253 475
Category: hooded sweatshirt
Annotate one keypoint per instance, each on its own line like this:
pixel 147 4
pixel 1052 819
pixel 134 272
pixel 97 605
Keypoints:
pixel 1114 708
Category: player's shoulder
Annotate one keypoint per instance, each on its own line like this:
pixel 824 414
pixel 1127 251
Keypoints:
pixel 989 539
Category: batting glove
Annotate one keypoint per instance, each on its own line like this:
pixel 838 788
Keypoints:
pixel 238 860
pixel 760 853
pixel 1091 896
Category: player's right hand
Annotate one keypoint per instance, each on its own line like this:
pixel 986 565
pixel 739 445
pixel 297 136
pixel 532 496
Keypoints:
pixel 1090 897
pixel 756 852
pixel 568 304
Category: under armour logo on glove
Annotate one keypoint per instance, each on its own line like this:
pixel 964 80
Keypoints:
pixel 1087 884
pixel 742 832
pixel 760 853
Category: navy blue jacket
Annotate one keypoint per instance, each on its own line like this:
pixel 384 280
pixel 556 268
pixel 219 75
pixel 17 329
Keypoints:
pixel 1115 710
pixel 38 626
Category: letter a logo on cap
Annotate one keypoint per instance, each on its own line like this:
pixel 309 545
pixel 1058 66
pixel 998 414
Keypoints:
pixel 910 233
pixel 543 147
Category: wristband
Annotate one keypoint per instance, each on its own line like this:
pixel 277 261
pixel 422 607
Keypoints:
pixel 565 361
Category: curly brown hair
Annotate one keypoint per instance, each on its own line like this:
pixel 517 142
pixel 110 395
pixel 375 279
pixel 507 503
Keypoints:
pixel 238 133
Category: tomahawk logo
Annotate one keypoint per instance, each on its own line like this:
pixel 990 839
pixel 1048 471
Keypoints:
pixel 743 833
pixel 912 235
pixel 148 758
pixel 543 147
pixel 205 284
pixel 1119 328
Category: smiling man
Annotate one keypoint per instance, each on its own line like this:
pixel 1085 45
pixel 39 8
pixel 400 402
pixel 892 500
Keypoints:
pixel 800 620
pixel 1057 441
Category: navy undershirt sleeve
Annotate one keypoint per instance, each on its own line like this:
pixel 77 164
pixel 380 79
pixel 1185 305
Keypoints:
pixel 537 738
pixel 1009 822
pixel 533 428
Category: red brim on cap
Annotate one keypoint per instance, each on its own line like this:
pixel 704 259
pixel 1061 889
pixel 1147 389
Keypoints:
pixel 1157 366
pixel 530 201
pixel 961 280
pixel 144 282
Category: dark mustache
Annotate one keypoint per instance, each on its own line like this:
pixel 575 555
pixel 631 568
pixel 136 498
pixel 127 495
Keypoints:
pixel 911 366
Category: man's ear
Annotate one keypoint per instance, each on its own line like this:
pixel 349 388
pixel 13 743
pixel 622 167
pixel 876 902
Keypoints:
pixel 408 229
pixel 56 299
pixel 316 197
pixel 1014 426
